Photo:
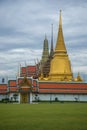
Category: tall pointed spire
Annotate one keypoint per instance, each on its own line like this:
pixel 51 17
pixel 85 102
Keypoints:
pixel 46 65
pixel 60 45
pixel 60 62
pixel 51 49
pixel 45 53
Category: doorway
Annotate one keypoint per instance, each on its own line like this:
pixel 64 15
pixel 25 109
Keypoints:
pixel 24 97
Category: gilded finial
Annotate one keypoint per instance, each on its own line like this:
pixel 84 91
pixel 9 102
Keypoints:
pixel 60 20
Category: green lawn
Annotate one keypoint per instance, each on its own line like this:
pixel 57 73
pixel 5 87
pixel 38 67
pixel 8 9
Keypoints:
pixel 61 116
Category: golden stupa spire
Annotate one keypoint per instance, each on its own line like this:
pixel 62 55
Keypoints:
pixel 60 45
pixel 60 62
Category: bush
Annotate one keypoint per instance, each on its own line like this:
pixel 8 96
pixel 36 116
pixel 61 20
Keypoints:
pixel 5 100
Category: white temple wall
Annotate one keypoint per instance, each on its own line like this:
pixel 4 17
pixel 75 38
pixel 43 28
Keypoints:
pixel 83 97
pixel 30 98
pixel 47 97
pixel 12 98
pixel 59 97
pixel 3 96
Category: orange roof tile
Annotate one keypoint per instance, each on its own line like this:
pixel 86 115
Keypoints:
pixel 23 70
pixel 31 68
pixel 28 69
pixel 62 91
pixel 62 85
pixel 3 86
pixel 12 83
pixel 13 89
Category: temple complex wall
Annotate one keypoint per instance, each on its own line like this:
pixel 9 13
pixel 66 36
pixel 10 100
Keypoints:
pixel 59 97
pixel 48 97
pixel 3 96
pixel 12 98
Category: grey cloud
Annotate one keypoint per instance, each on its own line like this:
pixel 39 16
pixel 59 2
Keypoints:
pixel 23 24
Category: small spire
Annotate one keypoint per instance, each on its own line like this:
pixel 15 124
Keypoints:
pixel 79 77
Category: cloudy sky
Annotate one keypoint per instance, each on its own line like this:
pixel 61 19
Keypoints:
pixel 23 24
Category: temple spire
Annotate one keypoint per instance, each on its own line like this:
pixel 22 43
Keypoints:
pixel 60 45
pixel 51 49
pixel 45 53
pixel 60 68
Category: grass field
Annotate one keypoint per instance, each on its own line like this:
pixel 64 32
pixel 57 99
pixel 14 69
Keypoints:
pixel 61 116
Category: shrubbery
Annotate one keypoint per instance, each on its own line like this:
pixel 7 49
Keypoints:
pixel 6 100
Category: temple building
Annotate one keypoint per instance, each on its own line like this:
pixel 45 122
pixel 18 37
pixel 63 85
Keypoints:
pixel 51 79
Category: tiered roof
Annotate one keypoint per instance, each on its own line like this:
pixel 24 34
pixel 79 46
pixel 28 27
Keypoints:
pixel 29 71
pixel 3 88
pixel 64 88
pixel 12 83
pixel 44 87
pixel 22 84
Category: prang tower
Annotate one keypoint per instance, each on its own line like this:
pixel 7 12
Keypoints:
pixel 60 69
pixel 46 67
pixel 45 53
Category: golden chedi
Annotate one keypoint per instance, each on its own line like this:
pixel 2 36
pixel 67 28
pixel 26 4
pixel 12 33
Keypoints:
pixel 60 69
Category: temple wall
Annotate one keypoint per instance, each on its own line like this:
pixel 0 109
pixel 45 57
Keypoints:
pixel 2 96
pixel 59 97
pixel 47 97
pixel 11 97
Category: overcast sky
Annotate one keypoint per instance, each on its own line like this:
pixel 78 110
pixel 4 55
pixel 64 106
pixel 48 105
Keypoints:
pixel 23 24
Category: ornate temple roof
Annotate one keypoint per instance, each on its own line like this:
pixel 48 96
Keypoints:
pixel 12 83
pixel 67 88
pixel 25 82
pixel 28 70
pixel 3 88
